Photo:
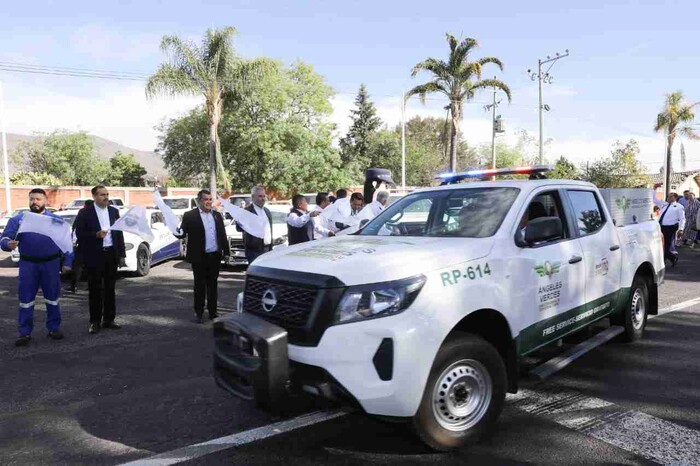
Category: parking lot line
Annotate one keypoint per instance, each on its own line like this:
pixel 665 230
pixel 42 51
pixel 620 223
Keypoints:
pixel 191 452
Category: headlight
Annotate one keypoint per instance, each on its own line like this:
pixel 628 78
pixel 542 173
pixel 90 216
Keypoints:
pixel 279 241
pixel 128 246
pixel 378 300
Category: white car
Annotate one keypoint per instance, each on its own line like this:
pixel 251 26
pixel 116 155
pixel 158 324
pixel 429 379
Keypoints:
pixel 425 315
pixel 180 204
pixel 80 203
pixel 141 255
pixel 235 238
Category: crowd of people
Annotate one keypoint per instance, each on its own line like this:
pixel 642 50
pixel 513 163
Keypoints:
pixel 678 217
pixel 101 249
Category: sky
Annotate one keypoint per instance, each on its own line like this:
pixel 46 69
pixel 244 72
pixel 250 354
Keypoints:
pixel 624 57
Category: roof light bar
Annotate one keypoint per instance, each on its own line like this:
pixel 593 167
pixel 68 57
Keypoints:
pixel 535 172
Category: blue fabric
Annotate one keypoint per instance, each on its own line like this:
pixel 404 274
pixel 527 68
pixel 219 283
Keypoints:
pixel 32 244
pixel 32 276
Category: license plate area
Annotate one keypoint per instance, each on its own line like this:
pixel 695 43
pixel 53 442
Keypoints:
pixel 250 358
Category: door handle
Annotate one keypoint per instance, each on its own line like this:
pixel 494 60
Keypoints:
pixel 575 259
pixel 614 247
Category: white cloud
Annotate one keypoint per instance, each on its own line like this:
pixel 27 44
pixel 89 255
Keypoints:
pixel 120 112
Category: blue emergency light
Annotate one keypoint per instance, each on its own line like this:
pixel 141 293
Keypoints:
pixel 536 172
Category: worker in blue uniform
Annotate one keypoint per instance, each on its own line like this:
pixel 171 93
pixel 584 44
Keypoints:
pixel 39 266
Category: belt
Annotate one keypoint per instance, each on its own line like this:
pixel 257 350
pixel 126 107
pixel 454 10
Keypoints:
pixel 109 248
pixel 38 260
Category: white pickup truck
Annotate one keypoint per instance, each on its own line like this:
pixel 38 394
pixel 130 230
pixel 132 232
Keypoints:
pixel 426 312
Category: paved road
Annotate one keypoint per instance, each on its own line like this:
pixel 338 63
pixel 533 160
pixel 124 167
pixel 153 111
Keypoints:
pixel 129 394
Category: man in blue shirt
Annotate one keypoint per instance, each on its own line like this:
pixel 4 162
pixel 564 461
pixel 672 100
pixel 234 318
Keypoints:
pixel 39 266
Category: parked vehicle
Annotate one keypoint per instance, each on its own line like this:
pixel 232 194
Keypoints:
pixel 80 203
pixel 142 255
pixel 180 204
pixel 425 313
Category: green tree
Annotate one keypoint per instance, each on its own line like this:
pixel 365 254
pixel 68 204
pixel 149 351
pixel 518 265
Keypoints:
pixel 458 79
pixel 622 169
pixel 355 146
pixel 273 131
pixel 125 170
pixel 675 120
pixel 25 178
pixel 70 157
pixel 564 169
pixel 212 70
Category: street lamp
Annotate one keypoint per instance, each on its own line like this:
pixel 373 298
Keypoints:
pixel 6 168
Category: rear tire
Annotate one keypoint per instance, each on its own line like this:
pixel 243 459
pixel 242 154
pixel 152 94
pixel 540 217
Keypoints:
pixel 143 260
pixel 634 314
pixel 464 394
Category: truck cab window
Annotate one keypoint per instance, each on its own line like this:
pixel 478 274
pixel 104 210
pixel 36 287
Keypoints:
pixel 589 215
pixel 544 205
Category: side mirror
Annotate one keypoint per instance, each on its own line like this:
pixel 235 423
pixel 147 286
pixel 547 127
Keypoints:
pixel 543 229
pixel 364 222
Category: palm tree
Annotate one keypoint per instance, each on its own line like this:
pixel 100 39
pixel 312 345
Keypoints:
pixel 212 70
pixel 675 120
pixel 458 79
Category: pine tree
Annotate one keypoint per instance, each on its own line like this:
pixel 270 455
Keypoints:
pixel 355 146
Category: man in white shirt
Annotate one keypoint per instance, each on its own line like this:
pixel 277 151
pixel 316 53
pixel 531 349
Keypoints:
pixel 299 227
pixel 323 227
pixel 376 207
pixel 672 220
pixel 254 246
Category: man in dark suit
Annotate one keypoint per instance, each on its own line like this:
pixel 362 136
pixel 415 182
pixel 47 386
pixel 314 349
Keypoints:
pixel 206 245
pixel 102 253
pixel 254 246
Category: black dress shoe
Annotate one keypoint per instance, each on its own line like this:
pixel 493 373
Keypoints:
pixel 111 325
pixel 94 328
pixel 23 340
pixel 198 320
pixel 55 335
pixel 213 316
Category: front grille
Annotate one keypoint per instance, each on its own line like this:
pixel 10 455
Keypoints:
pixel 294 304
pixel 235 243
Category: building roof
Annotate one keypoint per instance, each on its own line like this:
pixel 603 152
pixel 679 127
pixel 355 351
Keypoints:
pixel 676 178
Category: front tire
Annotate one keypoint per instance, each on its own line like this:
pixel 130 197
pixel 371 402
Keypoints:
pixel 464 395
pixel 634 314
pixel 143 260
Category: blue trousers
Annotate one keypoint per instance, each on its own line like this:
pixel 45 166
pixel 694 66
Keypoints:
pixel 32 276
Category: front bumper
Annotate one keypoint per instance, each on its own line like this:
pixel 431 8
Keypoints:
pixel 237 257
pixel 250 359
pixel 380 365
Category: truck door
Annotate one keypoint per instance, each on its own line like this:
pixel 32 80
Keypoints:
pixel 602 253
pixel 551 286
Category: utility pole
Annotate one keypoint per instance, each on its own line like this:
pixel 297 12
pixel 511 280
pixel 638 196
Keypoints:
pixel 403 141
pixel 6 168
pixel 547 79
pixel 494 128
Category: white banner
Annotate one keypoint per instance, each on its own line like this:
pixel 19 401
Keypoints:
pixel 252 224
pixel 135 221
pixel 171 220
pixel 55 228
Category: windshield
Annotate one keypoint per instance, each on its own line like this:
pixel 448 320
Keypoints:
pixel 78 203
pixel 236 200
pixel 177 203
pixel 464 213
